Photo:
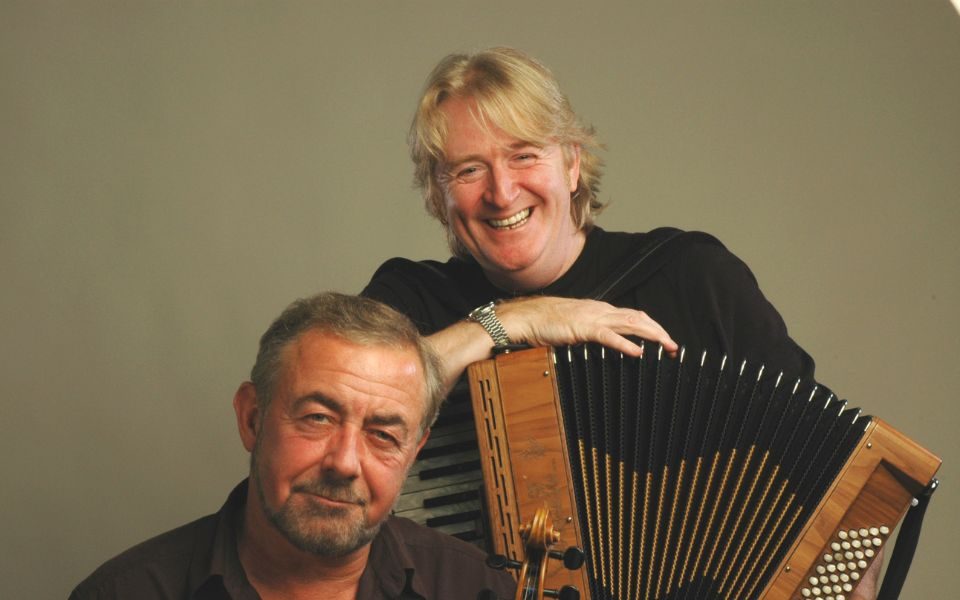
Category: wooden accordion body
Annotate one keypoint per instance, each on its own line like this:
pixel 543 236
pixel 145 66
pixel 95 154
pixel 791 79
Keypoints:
pixel 685 478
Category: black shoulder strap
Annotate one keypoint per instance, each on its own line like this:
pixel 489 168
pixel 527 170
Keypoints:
pixel 658 247
pixel 905 546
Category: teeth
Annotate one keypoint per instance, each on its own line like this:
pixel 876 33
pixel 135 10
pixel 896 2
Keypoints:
pixel 510 221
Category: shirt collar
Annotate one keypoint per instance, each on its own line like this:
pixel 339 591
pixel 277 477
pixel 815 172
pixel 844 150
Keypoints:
pixel 215 571
pixel 390 571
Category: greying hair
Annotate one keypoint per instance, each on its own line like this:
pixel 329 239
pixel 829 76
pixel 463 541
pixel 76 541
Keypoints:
pixel 517 94
pixel 357 320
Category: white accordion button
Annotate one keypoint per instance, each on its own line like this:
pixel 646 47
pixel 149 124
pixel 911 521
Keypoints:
pixel 874 531
pixel 828 557
pixel 869 553
pixel 842 535
pixel 853 534
pixel 814 581
pixel 867 543
pixel 847 588
pixel 831 568
pixel 864 533
pixel 884 529
pixel 856 543
pixel 844 577
pixel 821 569
pixel 835 546
pixel 877 542
pixel 858 554
pixel 862 564
pixel 855 576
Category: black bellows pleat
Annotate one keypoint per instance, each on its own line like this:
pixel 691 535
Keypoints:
pixel 693 474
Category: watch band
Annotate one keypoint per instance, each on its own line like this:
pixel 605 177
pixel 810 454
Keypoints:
pixel 486 316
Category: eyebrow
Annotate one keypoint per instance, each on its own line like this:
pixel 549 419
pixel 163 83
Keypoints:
pixel 381 420
pixel 449 164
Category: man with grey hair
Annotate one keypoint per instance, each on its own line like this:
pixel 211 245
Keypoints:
pixel 340 401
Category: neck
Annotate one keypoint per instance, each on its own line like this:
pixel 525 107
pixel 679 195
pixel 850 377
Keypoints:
pixel 277 569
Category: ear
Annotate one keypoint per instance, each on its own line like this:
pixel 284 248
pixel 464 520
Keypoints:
pixel 423 440
pixel 573 167
pixel 248 414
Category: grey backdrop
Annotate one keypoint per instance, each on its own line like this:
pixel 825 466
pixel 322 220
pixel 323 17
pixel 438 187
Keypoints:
pixel 173 174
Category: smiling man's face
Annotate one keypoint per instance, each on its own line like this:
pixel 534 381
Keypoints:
pixel 508 201
pixel 337 439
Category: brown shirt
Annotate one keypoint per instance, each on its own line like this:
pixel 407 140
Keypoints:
pixel 199 561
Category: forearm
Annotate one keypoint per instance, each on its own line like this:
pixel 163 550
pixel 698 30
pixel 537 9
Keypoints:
pixel 547 321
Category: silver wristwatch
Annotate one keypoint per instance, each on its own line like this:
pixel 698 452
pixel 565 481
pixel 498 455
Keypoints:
pixel 486 316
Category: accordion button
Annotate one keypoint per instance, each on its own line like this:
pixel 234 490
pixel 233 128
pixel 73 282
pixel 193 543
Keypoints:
pixel 824 579
pixel 841 567
pixel 845 545
pixel 834 579
pixel 853 534
pixel 858 554
pixel 847 588
pixel 852 566
pixel 838 556
pixel 862 564
pixel 814 581
pixel 835 546
pixel 856 544
pixel 844 577
pixel 849 555
pixel 867 543
pixel 837 589
pixel 864 533
pixel 840 597
pixel 855 576
pixel 806 593
pixel 832 568
pixel 842 534
pixel 877 542
pixel 828 557
pixel 821 569
pixel 869 553
pixel 874 531
pixel 815 591
pixel 884 529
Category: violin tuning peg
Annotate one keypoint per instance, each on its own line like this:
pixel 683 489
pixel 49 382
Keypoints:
pixel 501 562
pixel 573 558
pixel 567 592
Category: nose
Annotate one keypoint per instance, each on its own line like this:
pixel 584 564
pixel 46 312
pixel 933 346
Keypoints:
pixel 503 188
pixel 343 454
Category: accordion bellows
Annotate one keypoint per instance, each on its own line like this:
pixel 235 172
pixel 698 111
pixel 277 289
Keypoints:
pixel 689 477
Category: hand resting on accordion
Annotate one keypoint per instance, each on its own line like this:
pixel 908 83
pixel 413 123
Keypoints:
pixel 549 321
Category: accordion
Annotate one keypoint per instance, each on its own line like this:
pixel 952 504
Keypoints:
pixel 688 477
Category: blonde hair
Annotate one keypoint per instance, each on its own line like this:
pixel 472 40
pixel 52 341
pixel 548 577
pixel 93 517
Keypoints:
pixel 516 94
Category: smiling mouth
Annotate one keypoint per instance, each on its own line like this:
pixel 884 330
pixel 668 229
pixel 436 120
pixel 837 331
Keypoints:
pixel 511 222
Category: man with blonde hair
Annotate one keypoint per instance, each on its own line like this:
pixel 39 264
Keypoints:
pixel 513 174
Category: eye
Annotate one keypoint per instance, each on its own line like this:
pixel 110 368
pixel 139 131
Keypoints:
pixel 384 438
pixel 317 418
pixel 469 174
pixel 524 160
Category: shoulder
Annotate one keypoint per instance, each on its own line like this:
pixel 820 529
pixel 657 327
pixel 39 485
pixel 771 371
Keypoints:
pixel 424 542
pixel 156 568
pixel 446 566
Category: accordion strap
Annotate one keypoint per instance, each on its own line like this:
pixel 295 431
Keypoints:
pixel 906 545
pixel 658 246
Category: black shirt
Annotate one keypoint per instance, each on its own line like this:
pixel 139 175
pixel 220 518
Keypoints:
pixel 705 297
pixel 199 561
